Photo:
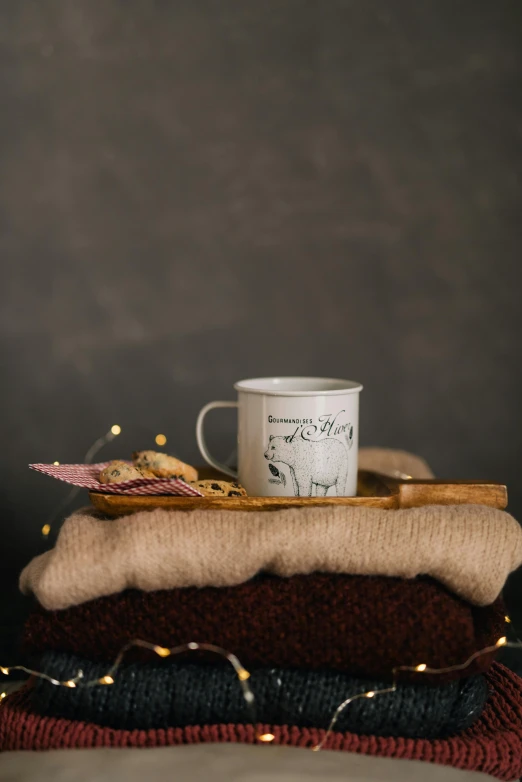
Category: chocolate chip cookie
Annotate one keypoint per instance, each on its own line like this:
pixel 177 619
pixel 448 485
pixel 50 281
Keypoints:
pixel 219 488
pixel 119 471
pixel 164 466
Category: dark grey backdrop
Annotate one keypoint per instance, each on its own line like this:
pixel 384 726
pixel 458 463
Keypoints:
pixel 197 191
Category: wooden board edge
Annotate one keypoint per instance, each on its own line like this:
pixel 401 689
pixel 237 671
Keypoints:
pixel 122 505
pixel 414 494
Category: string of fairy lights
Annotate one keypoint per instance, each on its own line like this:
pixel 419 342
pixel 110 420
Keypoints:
pixel 422 668
pixel 243 675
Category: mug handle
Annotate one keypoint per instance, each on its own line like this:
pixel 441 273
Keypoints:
pixel 200 437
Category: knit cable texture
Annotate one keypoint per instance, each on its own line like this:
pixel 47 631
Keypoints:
pixel 469 548
pixel 492 745
pixel 170 693
pixel 357 624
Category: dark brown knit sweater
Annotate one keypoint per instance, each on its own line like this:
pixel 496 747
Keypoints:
pixel 356 624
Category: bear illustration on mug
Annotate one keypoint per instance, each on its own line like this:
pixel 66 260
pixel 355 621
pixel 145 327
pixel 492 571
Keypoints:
pixel 320 463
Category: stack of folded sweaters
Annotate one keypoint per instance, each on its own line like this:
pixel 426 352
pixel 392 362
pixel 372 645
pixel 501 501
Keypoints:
pixel 317 604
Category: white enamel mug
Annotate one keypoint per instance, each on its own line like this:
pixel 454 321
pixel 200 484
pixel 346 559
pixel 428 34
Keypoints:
pixel 297 436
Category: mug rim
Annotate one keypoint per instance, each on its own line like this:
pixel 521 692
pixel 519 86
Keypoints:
pixel 337 388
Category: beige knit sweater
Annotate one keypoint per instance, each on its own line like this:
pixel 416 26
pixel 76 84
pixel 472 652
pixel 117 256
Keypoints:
pixel 469 548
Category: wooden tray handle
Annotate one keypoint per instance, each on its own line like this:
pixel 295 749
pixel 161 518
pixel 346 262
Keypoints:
pixel 414 493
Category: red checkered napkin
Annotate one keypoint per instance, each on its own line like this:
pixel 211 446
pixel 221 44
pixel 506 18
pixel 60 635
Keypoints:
pixel 86 476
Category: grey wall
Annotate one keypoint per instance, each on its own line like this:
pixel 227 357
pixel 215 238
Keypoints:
pixel 198 191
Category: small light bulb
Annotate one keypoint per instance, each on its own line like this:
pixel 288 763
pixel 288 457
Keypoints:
pixel 56 464
pixel 4 670
pixel 507 619
pixel 162 651
pixel 421 667
pixel 266 737
pixel 160 439
pixel 116 429
pixel 106 680
pixel 243 674
pixel 3 695
pixel 70 684
pixel 46 530
pixel 501 641
pixel 193 645
pixel 369 694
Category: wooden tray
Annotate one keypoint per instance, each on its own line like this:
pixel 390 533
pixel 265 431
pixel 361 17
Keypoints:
pixel 373 491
